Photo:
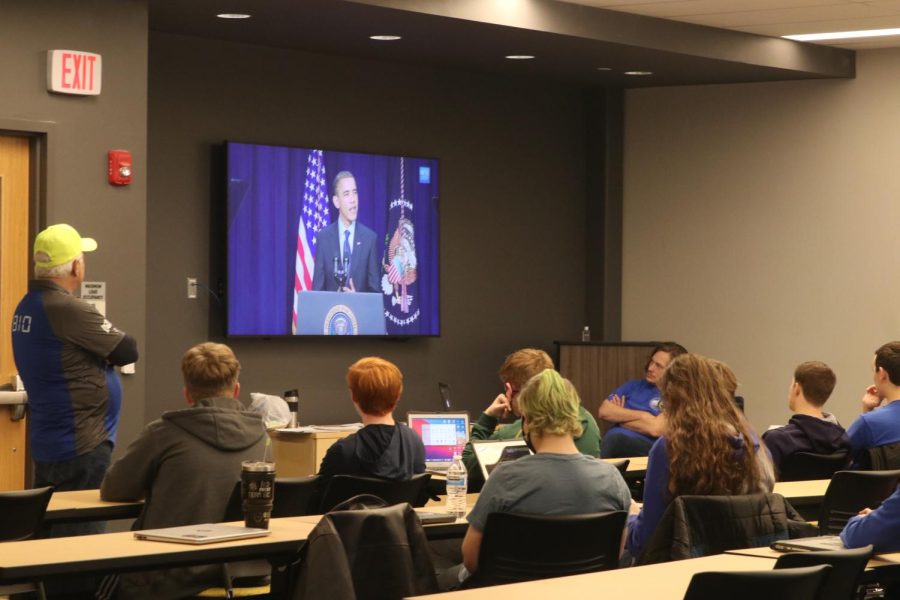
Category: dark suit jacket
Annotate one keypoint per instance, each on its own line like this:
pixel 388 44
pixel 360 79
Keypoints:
pixel 364 269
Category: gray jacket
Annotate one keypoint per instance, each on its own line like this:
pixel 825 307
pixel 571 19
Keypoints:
pixel 184 465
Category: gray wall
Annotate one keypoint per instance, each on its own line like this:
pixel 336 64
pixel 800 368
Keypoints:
pixel 78 132
pixel 512 209
pixel 757 226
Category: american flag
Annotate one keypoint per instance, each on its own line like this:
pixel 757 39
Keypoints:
pixel 313 217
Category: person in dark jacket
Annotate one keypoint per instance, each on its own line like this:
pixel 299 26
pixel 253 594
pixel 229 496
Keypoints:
pixel 185 465
pixel 810 429
pixel 383 447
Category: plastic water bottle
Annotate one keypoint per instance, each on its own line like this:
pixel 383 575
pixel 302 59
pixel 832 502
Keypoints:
pixel 586 334
pixel 456 487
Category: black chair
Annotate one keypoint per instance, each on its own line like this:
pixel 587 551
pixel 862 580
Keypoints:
pixel 519 547
pixel 881 458
pixel 344 487
pixel 621 465
pixel 21 515
pixel 803 466
pixel 294 495
pixel 784 584
pixel 851 491
pixel 846 568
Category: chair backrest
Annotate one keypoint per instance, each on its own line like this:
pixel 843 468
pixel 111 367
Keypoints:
pixel 802 466
pixel 343 487
pixel 621 465
pixel 796 584
pixel 846 568
pixel 294 495
pixel 884 457
pixel 851 491
pixel 694 526
pixel 22 512
pixel 366 554
pixel 518 547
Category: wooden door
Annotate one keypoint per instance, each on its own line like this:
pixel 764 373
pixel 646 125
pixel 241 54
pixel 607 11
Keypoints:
pixel 14 263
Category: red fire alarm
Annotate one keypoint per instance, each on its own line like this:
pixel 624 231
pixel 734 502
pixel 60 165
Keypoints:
pixel 119 167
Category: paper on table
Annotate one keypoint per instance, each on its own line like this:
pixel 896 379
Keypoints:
pixel 317 428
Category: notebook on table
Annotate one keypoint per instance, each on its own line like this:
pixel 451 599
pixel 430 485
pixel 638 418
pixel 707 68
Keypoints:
pixel 443 434
pixel 491 453
pixel 819 543
pixel 206 533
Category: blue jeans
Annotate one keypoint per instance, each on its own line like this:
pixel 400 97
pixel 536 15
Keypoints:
pixel 84 472
pixel 621 445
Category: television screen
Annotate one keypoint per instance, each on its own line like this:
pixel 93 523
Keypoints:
pixel 322 242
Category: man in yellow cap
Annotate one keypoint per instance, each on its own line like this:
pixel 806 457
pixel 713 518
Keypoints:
pixel 65 351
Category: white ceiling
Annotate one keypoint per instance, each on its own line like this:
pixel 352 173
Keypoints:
pixel 774 17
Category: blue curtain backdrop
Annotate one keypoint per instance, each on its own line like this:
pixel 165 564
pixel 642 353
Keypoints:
pixel 265 196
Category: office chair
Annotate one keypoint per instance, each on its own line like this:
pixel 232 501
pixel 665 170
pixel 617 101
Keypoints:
pixel 885 457
pixel 803 466
pixel 519 547
pixel 851 491
pixel 294 496
pixel 784 584
pixel 344 487
pixel 21 514
pixel 846 568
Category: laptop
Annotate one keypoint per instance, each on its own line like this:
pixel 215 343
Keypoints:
pixel 206 533
pixel 819 542
pixel 491 453
pixel 443 433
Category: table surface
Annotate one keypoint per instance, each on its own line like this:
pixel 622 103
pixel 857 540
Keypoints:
pixel 888 559
pixel 666 581
pixel 106 552
pixel 86 505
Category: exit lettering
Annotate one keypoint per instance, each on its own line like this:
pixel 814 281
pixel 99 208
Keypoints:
pixel 74 72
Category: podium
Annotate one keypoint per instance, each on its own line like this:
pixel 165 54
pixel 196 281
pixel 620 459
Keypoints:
pixel 340 313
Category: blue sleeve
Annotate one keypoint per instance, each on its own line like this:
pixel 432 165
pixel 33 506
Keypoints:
pixel 623 390
pixel 656 498
pixel 374 271
pixel 860 438
pixel 880 528
pixel 775 441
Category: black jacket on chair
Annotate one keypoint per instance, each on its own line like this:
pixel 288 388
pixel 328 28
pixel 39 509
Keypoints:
pixel 695 526
pixel 372 553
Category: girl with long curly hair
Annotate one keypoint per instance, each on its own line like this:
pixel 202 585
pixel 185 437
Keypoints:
pixel 708 447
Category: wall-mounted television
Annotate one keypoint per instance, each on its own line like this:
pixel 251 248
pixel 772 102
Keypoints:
pixel 324 242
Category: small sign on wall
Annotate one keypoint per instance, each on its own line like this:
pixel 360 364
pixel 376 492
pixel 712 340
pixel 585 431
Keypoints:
pixel 94 292
pixel 74 72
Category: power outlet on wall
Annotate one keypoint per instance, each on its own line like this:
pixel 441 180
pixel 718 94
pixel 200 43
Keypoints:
pixel 192 288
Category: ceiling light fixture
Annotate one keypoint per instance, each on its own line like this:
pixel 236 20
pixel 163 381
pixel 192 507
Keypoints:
pixel 604 68
pixel 385 38
pixel 233 16
pixel 842 35
pixel 519 56
pixel 638 73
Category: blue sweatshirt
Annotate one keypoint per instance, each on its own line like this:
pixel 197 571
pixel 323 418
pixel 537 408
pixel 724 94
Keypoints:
pixel 881 527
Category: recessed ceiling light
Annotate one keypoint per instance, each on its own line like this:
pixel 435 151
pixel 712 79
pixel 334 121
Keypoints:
pixel 233 16
pixel 519 56
pixel 841 35
pixel 604 68
pixel 385 38
pixel 638 73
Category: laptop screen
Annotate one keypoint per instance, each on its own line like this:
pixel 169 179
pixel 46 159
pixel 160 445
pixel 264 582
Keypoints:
pixel 443 434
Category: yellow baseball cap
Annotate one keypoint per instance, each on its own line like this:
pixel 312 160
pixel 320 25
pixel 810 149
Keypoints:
pixel 58 244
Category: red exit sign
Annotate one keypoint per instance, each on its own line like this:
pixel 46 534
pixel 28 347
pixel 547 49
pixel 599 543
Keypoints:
pixel 74 72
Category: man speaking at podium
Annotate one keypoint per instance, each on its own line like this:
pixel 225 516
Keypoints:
pixel 346 243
